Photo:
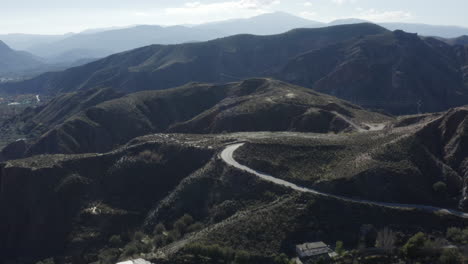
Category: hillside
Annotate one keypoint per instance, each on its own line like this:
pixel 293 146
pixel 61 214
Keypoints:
pixel 398 72
pixel 104 43
pixel 161 67
pixel 77 210
pixel 14 61
pixel 407 160
pixel 65 126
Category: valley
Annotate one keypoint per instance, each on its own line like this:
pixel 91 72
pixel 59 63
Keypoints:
pixel 197 144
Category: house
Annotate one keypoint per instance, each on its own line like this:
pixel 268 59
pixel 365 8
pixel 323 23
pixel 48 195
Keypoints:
pixel 313 251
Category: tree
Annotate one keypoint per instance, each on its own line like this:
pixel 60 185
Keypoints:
pixel 450 256
pixel 413 248
pixel 339 248
pixel 386 239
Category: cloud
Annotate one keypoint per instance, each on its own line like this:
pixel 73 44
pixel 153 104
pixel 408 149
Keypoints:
pixel 340 2
pixel 308 3
pixel 218 7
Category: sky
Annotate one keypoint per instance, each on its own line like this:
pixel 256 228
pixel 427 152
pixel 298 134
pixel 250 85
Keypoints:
pixel 65 16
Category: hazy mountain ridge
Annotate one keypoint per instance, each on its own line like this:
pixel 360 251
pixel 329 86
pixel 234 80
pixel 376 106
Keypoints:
pixel 103 42
pixel 16 61
pixel 362 63
pixel 159 67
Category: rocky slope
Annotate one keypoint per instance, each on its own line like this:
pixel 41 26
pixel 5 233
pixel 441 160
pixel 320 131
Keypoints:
pixel 398 72
pixel 69 206
pixel 251 105
pixel 417 160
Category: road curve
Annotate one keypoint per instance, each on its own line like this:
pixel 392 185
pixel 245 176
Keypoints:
pixel 227 156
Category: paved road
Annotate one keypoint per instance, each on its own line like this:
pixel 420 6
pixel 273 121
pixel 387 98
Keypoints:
pixel 227 156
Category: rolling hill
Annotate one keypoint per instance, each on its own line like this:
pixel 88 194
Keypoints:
pixel 90 121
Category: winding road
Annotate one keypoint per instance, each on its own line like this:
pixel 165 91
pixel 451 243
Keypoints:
pixel 227 156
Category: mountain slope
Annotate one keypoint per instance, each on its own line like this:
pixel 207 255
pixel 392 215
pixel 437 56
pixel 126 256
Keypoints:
pixel 267 24
pixel 13 61
pixel 251 105
pixel 107 42
pixel 159 67
pixel 398 72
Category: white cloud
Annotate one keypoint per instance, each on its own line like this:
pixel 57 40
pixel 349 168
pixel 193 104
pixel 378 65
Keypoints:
pixel 198 8
pixel 308 3
pixel 340 2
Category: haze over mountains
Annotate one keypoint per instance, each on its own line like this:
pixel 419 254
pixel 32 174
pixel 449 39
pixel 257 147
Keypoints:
pixel 395 71
pixel 12 61
pixel 200 149
pixel 103 42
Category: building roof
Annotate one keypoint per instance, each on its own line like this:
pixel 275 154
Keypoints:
pixel 135 261
pixel 312 249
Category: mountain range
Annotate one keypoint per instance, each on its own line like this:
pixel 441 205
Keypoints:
pixel 16 61
pixel 238 149
pixel 103 42
pixel 364 63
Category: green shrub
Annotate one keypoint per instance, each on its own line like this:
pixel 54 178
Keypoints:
pixel 339 248
pixel 413 248
pixel 195 227
pixel 115 241
pixel 130 250
pixel 109 256
pixel 173 236
pixel 159 241
pixel 457 235
pixel 450 256
pixel 440 188
pixel 139 236
pixel 159 229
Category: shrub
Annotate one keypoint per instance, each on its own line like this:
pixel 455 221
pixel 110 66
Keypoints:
pixel 159 241
pixel 115 241
pixel 450 256
pixel 457 235
pixel 440 188
pixel 109 256
pixel 339 248
pixel 242 257
pixel 159 229
pixel 413 248
pixel 173 236
pixel 186 219
pixel 130 250
pixel 195 227
pixel 386 240
pixel 139 236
